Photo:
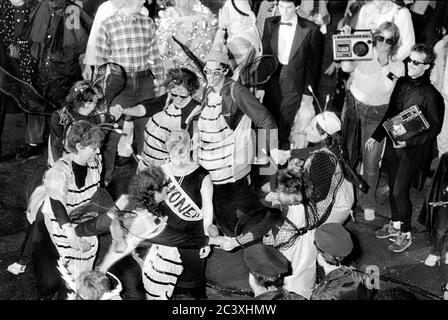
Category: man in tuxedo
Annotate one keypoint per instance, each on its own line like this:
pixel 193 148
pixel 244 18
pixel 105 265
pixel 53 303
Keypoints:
pixel 429 18
pixel 297 43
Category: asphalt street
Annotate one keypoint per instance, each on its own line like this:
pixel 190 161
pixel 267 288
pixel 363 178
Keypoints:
pixel 226 274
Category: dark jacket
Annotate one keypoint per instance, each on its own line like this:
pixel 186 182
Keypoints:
pixel 421 92
pixel 303 68
pixel 237 100
pixel 279 294
pixel 57 39
pixel 343 283
pixel 428 214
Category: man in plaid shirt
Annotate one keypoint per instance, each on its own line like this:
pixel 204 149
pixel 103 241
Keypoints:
pixel 128 39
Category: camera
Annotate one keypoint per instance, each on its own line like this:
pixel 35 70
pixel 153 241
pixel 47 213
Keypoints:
pixel 356 46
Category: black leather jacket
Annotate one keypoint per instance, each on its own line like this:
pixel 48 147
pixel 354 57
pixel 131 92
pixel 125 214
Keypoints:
pixel 343 283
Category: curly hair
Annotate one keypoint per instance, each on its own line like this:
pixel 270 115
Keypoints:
pixel 268 281
pixel 392 28
pixel 81 93
pixel 85 133
pixel 92 285
pixel 183 77
pixel 142 188
pixel 288 182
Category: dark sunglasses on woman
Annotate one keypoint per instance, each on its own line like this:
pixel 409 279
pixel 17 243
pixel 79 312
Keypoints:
pixel 389 41
pixel 178 95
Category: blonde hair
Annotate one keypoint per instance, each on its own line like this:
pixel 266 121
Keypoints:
pixel 392 28
pixel 178 141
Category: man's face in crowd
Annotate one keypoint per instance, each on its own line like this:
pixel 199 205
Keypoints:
pixel 135 6
pixel 287 10
pixel 380 3
pixel 416 65
pixel 118 3
pixel 214 73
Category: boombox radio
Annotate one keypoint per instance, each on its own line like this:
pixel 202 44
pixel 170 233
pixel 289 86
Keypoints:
pixel 356 46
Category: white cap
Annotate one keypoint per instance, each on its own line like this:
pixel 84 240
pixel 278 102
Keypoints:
pixel 329 122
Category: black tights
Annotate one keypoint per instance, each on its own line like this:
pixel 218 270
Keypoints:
pixel 440 229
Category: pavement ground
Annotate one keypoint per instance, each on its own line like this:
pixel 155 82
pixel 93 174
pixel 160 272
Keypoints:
pixel 226 273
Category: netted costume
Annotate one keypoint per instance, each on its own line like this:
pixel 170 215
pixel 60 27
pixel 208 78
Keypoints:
pixel 322 176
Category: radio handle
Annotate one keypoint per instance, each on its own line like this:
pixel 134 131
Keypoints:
pixel 358 30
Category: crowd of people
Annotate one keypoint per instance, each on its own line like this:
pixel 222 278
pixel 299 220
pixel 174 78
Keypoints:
pixel 151 109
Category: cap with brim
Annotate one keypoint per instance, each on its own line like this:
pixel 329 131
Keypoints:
pixel 265 260
pixel 334 239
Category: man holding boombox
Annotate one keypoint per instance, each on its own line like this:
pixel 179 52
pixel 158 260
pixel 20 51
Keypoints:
pixel 405 153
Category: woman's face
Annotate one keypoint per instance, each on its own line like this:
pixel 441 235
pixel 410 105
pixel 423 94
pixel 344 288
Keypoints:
pixel 385 36
pixel 180 154
pixel 88 107
pixel 181 96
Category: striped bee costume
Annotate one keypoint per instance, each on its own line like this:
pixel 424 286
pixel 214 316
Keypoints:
pixel 160 126
pixel 225 153
pixel 59 184
pixel 161 268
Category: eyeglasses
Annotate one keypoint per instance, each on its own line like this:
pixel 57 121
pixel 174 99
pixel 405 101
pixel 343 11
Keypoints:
pixel 389 41
pixel 414 62
pixel 178 95
pixel 216 72
pixel 165 184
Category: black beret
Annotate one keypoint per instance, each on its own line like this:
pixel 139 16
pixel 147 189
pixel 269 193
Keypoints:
pixel 265 260
pixel 332 238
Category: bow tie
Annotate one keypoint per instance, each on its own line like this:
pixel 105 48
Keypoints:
pixel 286 24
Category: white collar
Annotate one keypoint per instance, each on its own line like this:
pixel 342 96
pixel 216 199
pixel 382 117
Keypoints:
pixel 294 20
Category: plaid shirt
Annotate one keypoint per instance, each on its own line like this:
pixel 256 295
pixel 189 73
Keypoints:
pixel 130 42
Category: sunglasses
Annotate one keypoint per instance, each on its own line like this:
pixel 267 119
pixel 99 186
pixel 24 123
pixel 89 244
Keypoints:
pixel 178 95
pixel 414 62
pixel 389 41
pixel 216 72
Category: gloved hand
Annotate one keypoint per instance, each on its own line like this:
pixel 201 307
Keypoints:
pixel 280 156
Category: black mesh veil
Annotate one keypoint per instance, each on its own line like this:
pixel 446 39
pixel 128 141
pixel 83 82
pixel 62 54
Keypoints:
pixel 322 176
